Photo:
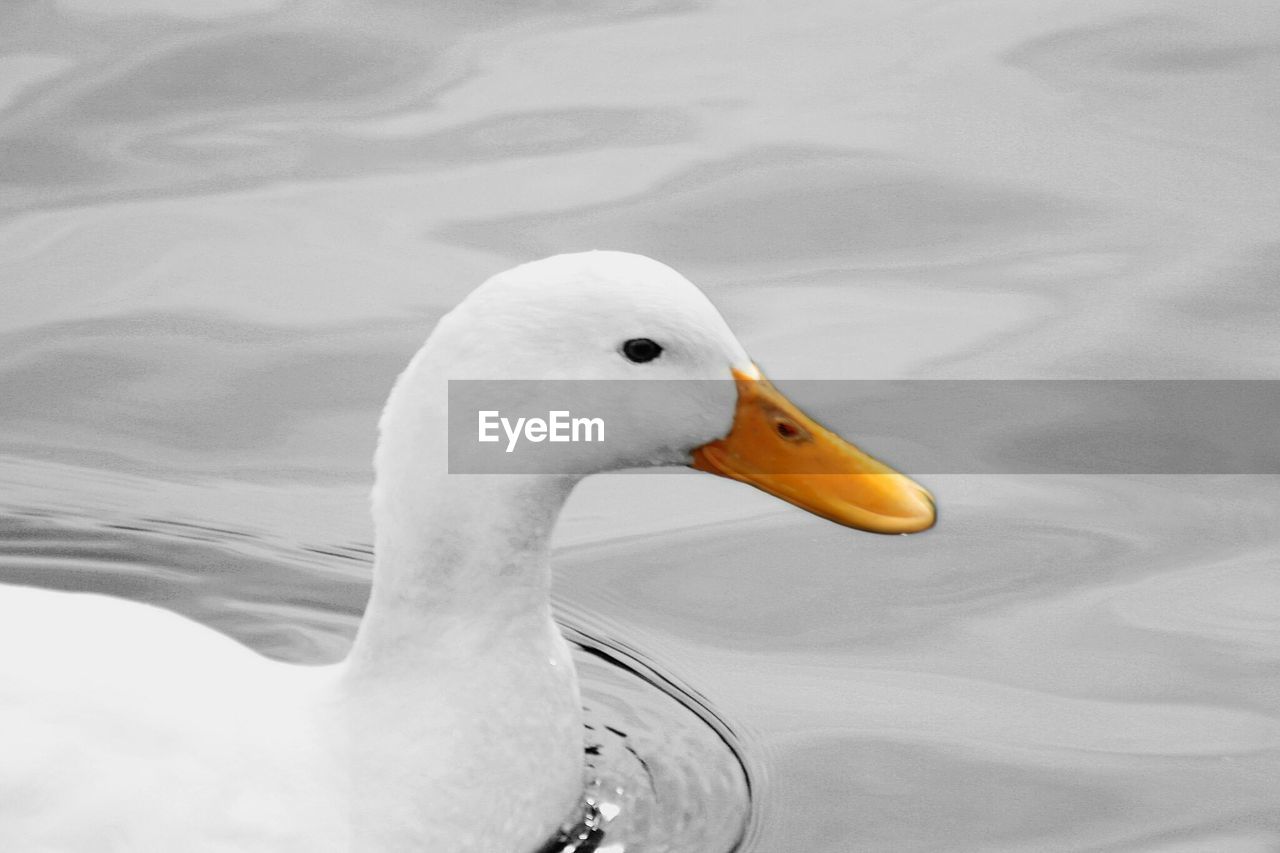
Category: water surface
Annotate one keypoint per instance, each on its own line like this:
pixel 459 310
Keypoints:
pixel 225 226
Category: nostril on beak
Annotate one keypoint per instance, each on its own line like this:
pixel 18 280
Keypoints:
pixel 788 430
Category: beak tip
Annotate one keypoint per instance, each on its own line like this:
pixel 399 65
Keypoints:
pixel 932 508
pixel 919 512
pixel 927 515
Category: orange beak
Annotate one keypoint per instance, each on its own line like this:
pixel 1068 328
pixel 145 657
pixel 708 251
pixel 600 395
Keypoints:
pixel 778 449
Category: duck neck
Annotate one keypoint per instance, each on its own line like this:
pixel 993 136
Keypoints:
pixel 461 560
pixel 459 686
pixel 462 564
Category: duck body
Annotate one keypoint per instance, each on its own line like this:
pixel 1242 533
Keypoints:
pixel 201 744
pixel 454 724
pixel 116 742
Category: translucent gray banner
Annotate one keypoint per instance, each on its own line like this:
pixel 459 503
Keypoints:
pixel 917 426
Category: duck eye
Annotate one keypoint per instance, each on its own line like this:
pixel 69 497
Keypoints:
pixel 641 350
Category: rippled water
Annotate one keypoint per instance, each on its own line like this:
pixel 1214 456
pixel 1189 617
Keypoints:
pixel 225 226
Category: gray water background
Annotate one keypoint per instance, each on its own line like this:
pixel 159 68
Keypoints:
pixel 224 227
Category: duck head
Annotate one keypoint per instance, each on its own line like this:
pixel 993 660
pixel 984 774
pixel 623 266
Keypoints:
pixel 614 317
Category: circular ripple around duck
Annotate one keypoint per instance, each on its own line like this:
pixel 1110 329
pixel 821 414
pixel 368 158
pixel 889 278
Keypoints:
pixel 663 770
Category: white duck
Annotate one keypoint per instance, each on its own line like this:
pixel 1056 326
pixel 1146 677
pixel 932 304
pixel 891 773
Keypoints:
pixel 124 727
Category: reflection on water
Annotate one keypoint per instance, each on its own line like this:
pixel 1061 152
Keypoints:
pixel 225 226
